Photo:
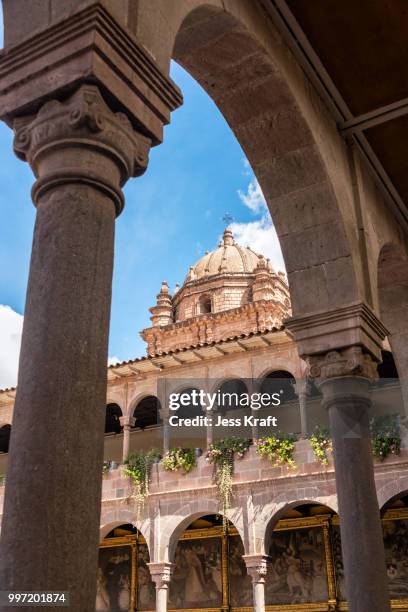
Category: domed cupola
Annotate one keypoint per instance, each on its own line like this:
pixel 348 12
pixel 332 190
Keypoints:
pixel 228 258
pixel 229 291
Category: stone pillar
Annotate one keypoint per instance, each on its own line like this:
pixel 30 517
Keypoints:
pixel 81 154
pixel 127 422
pixel 301 391
pixel 210 414
pixel 161 575
pixel 257 567
pixel 165 415
pixel 344 378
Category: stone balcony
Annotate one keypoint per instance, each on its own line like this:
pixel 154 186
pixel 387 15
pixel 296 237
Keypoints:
pixel 253 469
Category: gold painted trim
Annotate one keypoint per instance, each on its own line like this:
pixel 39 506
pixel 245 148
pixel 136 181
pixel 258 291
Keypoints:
pixel 331 574
pixel 225 569
pixel 305 607
pixel 394 514
pixel 302 523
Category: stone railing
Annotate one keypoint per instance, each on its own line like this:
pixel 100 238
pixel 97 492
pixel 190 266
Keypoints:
pixel 250 469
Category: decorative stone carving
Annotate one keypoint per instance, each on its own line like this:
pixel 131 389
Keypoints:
pixel 88 46
pixel 351 361
pixel 127 421
pixel 111 151
pixel 355 325
pixel 162 313
pixel 246 296
pixel 161 573
pixel 257 567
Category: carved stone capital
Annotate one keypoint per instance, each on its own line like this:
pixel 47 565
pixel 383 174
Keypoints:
pixel 88 46
pixel 81 141
pixel 338 329
pixel 351 361
pixel 161 573
pixel 257 567
pixel 127 421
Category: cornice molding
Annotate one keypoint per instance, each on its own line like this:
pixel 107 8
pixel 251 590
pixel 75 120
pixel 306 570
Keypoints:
pixel 352 325
pixel 88 46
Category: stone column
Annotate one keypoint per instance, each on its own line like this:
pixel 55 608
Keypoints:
pixel 210 414
pixel 257 567
pixel 161 575
pixel 344 378
pixel 81 154
pixel 301 391
pixel 127 422
pixel 165 415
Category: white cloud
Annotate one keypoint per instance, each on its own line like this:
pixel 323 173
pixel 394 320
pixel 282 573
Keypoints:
pixel 254 198
pixel 11 326
pixel 262 238
pixel 260 234
pixel 113 360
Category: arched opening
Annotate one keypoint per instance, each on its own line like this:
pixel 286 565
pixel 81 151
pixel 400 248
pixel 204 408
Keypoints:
pixel 5 433
pixel 146 412
pixel 281 382
pixel 252 91
pixel 232 394
pixel 209 567
pixel 112 419
pixel 124 581
pixel 303 546
pixel 205 304
pixel 190 431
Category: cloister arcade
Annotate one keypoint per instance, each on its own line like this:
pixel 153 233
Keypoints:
pixel 85 86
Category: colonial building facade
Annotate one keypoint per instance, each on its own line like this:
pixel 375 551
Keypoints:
pixel 85 86
pixel 279 545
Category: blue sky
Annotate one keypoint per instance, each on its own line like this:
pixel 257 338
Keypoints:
pixel 173 214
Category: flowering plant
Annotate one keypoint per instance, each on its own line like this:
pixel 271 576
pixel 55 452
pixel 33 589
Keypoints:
pixel 221 454
pixel 321 444
pixel 385 436
pixel 138 468
pixel 179 459
pixel 278 449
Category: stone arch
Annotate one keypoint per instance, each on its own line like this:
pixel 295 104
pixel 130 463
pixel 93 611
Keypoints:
pixel 285 131
pixel 174 525
pixel 145 404
pixel 231 385
pixel 276 365
pixel 282 508
pixel 5 433
pixel 123 516
pixel 189 410
pixel 279 378
pixel 225 379
pixel 112 418
pixel 270 508
pixel 392 489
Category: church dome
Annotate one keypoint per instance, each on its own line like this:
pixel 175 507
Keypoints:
pixel 228 258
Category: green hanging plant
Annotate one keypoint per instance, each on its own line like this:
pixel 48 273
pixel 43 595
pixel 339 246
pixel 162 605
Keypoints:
pixel 221 455
pixel 385 436
pixel 138 467
pixel 278 449
pixel 321 444
pixel 183 459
